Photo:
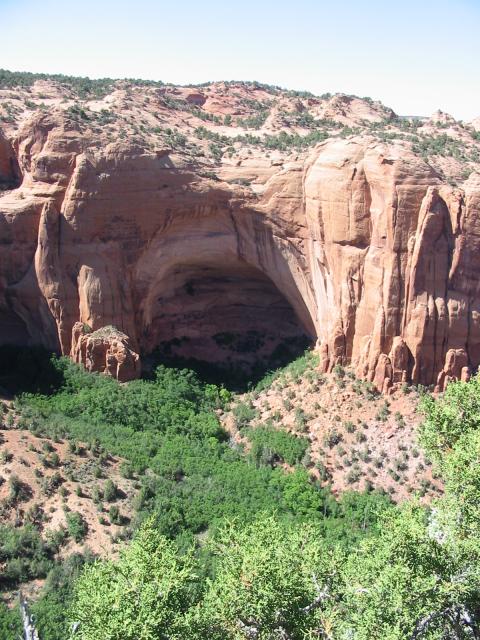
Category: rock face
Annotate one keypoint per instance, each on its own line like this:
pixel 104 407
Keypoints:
pixel 9 170
pixel 356 244
pixel 106 350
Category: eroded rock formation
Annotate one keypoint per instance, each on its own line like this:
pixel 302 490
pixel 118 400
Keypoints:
pixel 9 170
pixel 357 244
pixel 106 350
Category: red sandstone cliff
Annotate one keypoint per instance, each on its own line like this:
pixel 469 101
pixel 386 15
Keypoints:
pixel 360 242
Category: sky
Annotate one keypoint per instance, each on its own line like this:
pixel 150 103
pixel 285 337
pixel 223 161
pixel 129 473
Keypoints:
pixel 415 56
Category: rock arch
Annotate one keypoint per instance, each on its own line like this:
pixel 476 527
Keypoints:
pixel 223 277
pixel 361 242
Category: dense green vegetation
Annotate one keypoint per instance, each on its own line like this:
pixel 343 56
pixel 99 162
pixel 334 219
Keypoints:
pixel 229 545
pixel 168 428
pixel 23 555
pixel 276 580
pixel 191 477
pixel 10 625
pixel 270 444
pixel 51 610
pixel 417 576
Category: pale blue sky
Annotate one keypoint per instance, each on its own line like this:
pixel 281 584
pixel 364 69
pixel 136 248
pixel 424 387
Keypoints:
pixel 415 56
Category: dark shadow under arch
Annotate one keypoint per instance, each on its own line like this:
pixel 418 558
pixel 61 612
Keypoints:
pixel 227 321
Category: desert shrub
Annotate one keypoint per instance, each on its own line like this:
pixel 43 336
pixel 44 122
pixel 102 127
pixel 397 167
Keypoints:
pixel 323 473
pixel 47 446
pixel 364 455
pixel 300 419
pixel 76 525
pixel 126 470
pixel 54 460
pixel 56 537
pixel 50 484
pixel 399 419
pixel 114 514
pixel 349 426
pixel 110 491
pixel 244 413
pixel 35 514
pixel 5 456
pixel 332 438
pixel 97 494
pixel 17 489
pixel 383 413
pixel 353 475
pixel 339 371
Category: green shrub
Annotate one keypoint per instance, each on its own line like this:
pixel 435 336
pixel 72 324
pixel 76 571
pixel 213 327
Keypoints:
pixel 76 525
pixel 110 491
pixel 51 609
pixel 114 514
pixel 283 446
pixel 23 555
pixel 10 623
pixel 349 426
pixel 244 413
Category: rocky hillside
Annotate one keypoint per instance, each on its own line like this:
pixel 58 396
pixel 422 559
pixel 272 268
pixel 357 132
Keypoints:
pixel 348 435
pixel 58 498
pixel 225 221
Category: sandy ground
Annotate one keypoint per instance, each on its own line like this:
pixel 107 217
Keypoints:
pixel 77 473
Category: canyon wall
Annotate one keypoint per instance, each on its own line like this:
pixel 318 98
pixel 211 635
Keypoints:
pixel 357 244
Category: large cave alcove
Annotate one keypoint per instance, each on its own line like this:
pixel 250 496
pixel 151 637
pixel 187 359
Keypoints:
pixel 13 330
pixel 227 320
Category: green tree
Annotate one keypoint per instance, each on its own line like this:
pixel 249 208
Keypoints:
pixel 409 580
pixel 449 417
pixel 10 624
pixel 272 581
pixel 51 609
pixel 142 596
pixel 451 435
